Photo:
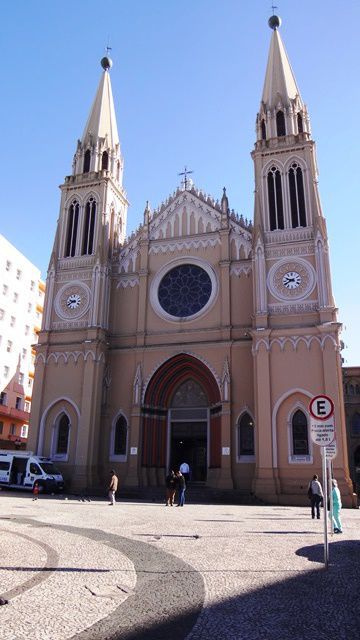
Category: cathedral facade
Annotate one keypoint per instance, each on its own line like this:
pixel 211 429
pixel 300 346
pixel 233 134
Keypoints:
pixel 200 338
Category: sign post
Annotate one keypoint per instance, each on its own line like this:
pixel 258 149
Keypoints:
pixel 322 430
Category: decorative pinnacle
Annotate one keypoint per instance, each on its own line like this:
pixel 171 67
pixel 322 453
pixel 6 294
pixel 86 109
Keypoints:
pixel 274 22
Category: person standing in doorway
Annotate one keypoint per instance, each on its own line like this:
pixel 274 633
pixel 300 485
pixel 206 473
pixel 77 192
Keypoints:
pixel 170 488
pixel 181 488
pixel 316 496
pixel 336 498
pixel 112 489
pixel 185 470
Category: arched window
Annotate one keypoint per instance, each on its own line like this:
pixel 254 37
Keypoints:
pixel 246 445
pixel 120 437
pixel 118 171
pixel 263 129
pixel 276 211
pixel 297 197
pixel 355 424
pixel 105 160
pixel 87 158
pixel 300 123
pixel 280 124
pixel 62 436
pixel 89 227
pixel 72 227
pixel 300 440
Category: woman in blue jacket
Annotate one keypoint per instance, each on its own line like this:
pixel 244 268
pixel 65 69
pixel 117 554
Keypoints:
pixel 336 497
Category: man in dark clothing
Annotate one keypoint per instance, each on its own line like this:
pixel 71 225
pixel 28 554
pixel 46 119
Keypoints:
pixel 170 482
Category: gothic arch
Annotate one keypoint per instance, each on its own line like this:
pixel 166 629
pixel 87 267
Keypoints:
pixel 156 402
pixel 278 403
pixel 61 401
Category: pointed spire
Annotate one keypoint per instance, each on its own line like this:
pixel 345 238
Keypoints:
pixel 99 147
pixel 224 202
pixel 280 84
pixel 147 212
pixel 102 120
pixel 282 110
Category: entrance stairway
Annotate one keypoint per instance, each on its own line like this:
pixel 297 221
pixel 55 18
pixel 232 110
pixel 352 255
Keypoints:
pixel 196 493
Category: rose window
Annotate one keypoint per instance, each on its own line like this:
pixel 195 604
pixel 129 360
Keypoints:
pixel 184 290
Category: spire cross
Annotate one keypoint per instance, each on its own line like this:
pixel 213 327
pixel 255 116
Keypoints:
pixel 273 6
pixel 185 173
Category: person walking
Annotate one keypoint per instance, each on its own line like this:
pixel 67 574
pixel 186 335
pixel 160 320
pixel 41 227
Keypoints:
pixel 35 490
pixel 170 482
pixel 336 498
pixel 316 496
pixel 112 489
pixel 181 488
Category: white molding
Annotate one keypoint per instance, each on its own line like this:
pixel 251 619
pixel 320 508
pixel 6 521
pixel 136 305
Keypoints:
pixel 181 244
pixel 44 416
pixel 294 341
pixel 128 281
pixel 277 404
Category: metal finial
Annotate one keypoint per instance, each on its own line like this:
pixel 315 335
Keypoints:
pixel 106 61
pixel 274 21
pixel 185 173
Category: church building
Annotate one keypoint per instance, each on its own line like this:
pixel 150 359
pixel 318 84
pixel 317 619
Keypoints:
pixel 201 337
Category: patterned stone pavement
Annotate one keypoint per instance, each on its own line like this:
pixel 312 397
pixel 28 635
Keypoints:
pixel 84 571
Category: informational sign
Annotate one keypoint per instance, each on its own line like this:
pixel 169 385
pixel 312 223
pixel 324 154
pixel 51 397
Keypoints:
pixel 322 433
pixel 322 425
pixel 133 451
pixel 330 450
pixel 226 451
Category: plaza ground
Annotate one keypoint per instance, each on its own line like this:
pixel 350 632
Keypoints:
pixel 84 570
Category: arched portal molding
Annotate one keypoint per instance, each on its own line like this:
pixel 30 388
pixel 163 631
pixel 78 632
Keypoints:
pixel 178 353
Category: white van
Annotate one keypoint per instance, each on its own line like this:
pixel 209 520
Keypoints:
pixel 21 469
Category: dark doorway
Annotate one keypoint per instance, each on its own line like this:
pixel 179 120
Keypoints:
pixel 189 444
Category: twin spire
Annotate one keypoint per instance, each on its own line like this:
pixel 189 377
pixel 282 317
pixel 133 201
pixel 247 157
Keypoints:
pixel 282 112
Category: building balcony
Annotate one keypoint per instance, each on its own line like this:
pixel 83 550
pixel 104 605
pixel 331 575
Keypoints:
pixel 18 415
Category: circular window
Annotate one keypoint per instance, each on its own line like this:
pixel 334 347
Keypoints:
pixel 184 290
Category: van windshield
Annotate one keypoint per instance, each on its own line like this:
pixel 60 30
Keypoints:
pixel 50 468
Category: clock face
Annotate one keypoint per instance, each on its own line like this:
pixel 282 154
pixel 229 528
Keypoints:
pixel 291 280
pixel 73 301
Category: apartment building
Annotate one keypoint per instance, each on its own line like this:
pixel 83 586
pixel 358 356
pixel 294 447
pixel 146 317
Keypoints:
pixel 21 307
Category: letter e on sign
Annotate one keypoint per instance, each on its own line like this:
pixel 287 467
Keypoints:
pixel 321 407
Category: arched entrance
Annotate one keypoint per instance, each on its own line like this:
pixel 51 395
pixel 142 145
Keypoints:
pixel 181 417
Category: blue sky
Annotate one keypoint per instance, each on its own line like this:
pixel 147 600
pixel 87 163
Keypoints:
pixel 187 81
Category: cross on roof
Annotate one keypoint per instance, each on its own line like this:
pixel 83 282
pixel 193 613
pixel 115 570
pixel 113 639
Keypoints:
pixel 273 6
pixel 185 173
